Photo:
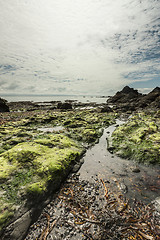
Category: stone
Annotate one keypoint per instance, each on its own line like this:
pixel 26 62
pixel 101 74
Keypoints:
pixel 3 105
pixel 124 96
pixel 105 108
pixel 129 100
pixel 136 170
pixel 19 228
pixel 65 105
pixel 156 204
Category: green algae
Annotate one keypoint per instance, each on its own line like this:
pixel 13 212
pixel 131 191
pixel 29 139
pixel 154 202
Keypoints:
pixel 27 168
pixel 85 125
pixel 138 139
pixel 6 212
pixel 41 157
pixel 31 160
pixel 36 188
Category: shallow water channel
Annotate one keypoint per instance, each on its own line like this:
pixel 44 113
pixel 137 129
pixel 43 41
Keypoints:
pixel 134 180
pixel 119 175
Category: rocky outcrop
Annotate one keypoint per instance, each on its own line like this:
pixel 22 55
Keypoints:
pixel 130 99
pixel 127 94
pixel 151 99
pixel 3 105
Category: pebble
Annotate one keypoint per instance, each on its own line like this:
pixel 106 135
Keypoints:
pixel 70 227
pixel 136 170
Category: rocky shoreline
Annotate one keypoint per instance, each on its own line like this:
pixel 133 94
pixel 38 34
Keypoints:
pixel 85 210
pixel 38 149
pixel 32 134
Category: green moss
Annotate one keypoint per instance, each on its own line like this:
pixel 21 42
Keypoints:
pixel 23 153
pixel 31 161
pixel 15 186
pixel 15 140
pixel 155 137
pixel 28 168
pixel 85 125
pixel 139 139
pixel 5 214
pixel 6 168
pixel 38 153
pixel 90 135
pixel 36 188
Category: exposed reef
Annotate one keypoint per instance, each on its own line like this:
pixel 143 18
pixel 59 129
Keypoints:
pixel 42 142
pixel 139 138
pixel 38 149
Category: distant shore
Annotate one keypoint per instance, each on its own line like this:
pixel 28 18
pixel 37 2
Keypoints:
pixel 44 98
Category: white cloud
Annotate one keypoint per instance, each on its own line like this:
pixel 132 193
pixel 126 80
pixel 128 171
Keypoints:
pixel 50 45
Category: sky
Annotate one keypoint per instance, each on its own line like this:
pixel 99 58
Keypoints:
pixel 81 47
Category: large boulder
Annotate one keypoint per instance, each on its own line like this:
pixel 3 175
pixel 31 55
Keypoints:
pixel 3 105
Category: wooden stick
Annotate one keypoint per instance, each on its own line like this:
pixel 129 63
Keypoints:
pixel 106 190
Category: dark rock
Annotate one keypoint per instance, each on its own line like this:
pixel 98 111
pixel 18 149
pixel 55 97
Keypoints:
pixel 127 94
pixel 152 98
pixel 65 105
pixel 129 100
pixel 136 170
pixel 105 108
pixel 3 105
pixel 128 90
pixel 156 103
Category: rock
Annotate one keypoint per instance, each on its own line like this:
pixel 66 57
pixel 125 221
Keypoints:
pixel 65 105
pixel 105 108
pixel 128 90
pixel 153 94
pixel 136 170
pixel 156 203
pixel 123 187
pixel 127 94
pixel 76 167
pixel 3 105
pixel 129 100
pixel 18 229
pixel 151 98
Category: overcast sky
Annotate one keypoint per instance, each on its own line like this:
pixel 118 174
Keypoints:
pixel 79 46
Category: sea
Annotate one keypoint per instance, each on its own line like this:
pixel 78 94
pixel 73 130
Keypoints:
pixel 49 98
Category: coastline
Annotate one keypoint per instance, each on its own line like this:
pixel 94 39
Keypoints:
pixel 30 130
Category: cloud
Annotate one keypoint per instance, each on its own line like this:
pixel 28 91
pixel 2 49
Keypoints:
pixel 12 86
pixel 78 47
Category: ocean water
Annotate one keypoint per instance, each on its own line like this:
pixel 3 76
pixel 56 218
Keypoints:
pixel 48 98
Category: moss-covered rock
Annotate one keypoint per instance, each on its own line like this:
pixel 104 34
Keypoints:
pixel 139 138
pixel 27 169
pixel 33 161
pixel 85 125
